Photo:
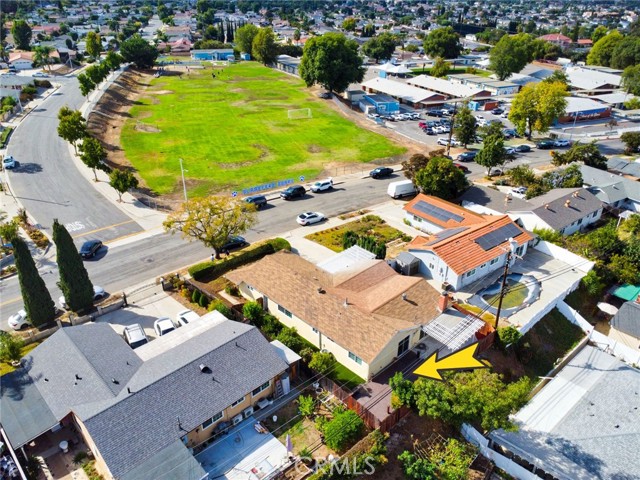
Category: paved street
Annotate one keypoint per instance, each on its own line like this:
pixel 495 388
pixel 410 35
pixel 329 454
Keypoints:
pixel 47 182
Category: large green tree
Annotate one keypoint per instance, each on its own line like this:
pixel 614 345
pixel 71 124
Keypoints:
pixel 264 47
pixel 465 126
pixel 599 32
pixel 211 220
pixel 331 61
pixel 21 33
pixel 626 53
pixel 441 178
pixel 244 37
pixel 42 56
pixel 86 84
pixel 510 55
pixel 122 181
pixel 602 50
pixel 94 44
pixel 442 42
pixel 492 153
pixel 631 79
pixel 37 300
pixel 440 68
pixel 138 51
pixel 74 282
pixel 586 153
pixel 93 155
pixel 380 47
pixel 72 126
pixel 536 107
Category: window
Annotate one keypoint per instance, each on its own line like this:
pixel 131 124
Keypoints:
pixel 250 287
pixel 471 273
pixel 355 358
pixel 261 388
pixel 494 261
pixel 483 265
pixel 237 402
pixel 431 266
pixel 417 219
pixel 315 330
pixel 285 311
pixel 403 345
pixel 213 419
pixel 580 221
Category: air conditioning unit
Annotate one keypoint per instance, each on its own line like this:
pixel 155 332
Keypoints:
pixel 237 419
pixel 247 412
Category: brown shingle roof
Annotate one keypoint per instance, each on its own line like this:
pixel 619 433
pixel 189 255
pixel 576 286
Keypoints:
pixel 375 310
pixel 461 252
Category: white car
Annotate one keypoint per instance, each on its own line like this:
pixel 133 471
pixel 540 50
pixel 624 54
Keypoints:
pixel 322 185
pixel 509 150
pixel 163 325
pixel 518 192
pixel 18 321
pixel 98 293
pixel 562 143
pixel 187 316
pixel 8 162
pixel 308 218
pixel 505 114
pixel 40 75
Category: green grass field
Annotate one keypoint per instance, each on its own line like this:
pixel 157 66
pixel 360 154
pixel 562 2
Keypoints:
pixel 234 132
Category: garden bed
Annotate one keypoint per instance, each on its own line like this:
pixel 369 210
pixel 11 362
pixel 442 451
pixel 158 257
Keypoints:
pixel 369 225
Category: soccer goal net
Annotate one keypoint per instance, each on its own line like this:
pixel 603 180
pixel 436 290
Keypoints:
pixel 299 113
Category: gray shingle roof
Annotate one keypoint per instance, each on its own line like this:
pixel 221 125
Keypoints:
pixel 493 199
pixel 174 462
pixel 76 366
pixel 583 425
pixel 627 320
pixel 171 396
pixel 557 215
pixel 624 166
pixel 599 178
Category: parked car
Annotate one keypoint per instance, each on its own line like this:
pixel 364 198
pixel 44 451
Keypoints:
pixel 562 143
pixel 258 200
pixel 18 320
pixel 234 242
pixel 523 148
pixel 401 188
pixel 504 114
pixel 322 185
pixel 519 192
pixel 98 293
pixel 462 167
pixel 509 150
pixel 546 144
pixel 380 172
pixel 40 75
pixel 444 141
pixel 497 111
pixel 185 317
pixel 134 335
pixel 163 325
pixel 325 95
pixel 90 248
pixel 8 162
pixel 495 172
pixel 509 133
pixel 308 218
pixel 466 156
pixel 414 116
pixel 293 191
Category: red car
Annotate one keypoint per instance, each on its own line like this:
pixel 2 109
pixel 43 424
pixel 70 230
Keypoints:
pixel 463 168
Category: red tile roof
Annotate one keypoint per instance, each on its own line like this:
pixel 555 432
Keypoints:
pixel 469 217
pixel 555 37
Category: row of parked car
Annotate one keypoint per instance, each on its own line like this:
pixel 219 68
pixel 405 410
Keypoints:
pixel 397 117
pixel 135 335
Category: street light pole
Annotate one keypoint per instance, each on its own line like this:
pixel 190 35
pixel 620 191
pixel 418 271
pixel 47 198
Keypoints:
pixel 184 185
pixel 575 119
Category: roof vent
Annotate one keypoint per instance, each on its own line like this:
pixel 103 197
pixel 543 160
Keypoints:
pixel 404 296
pixel 575 194
pixel 204 369
pixel 346 302
pixel 546 206
pixel 46 379
pixel 320 290
pixel 78 377
pixel 128 390
pixel 114 381
pixel 567 203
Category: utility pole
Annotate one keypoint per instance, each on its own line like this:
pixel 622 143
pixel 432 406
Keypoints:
pixel 510 254
pixel 453 121
pixel 184 185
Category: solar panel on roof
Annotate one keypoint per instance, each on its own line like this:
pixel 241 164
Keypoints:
pixel 496 237
pixel 437 212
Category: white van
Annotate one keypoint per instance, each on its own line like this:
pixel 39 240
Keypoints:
pixel 403 188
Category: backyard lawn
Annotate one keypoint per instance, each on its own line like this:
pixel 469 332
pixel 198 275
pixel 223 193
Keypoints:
pixel 370 225
pixel 7 368
pixel 233 132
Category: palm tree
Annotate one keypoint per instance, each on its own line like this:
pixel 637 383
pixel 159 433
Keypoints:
pixel 42 56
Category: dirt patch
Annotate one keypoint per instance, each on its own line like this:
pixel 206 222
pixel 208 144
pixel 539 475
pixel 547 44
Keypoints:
pixel 143 127
pixel 161 92
pixel 315 149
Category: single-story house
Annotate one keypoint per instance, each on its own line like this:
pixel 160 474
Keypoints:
pixel 447 87
pixel 615 191
pixel 181 46
pixel 582 425
pixel 406 94
pixel 487 201
pixel 136 413
pixel 484 239
pixel 557 39
pixel 21 60
pixel 366 314
pixel 625 325
pixel 565 210
pixel 630 170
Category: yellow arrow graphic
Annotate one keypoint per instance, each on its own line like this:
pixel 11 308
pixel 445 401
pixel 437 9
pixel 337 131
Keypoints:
pixel 462 359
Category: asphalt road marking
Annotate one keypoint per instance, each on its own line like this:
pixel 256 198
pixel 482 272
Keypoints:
pixel 104 228
pixel 74 226
pixel 9 302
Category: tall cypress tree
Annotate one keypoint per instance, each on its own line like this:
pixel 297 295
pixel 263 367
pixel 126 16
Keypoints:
pixel 74 279
pixel 37 299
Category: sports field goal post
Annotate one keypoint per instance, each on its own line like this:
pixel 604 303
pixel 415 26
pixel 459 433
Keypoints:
pixel 299 113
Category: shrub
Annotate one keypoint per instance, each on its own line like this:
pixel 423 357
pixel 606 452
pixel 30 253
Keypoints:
pixel 10 348
pixel 220 306
pixel 320 423
pixel 195 296
pixel 184 291
pixel 253 312
pixel 231 290
pixel 593 284
pixel 416 468
pixel 508 335
pixel 271 326
pixel 322 361
pixel 203 301
pixel 79 457
pixel 306 405
pixel 209 270
pixel 306 353
pixel 289 336
pixel 344 429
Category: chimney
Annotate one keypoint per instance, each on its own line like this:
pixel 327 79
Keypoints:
pixel 404 296
pixel 567 203
pixel 346 302
pixel 546 206
pixel 443 302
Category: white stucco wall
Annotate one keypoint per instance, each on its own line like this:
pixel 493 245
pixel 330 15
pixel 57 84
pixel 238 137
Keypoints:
pixel 421 224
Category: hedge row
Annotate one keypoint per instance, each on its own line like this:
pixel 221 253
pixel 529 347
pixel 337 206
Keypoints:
pixel 205 271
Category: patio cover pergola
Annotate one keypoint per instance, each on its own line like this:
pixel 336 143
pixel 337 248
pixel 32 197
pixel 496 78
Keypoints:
pixel 626 292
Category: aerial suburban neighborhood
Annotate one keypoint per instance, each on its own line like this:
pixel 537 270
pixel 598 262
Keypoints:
pixel 303 239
